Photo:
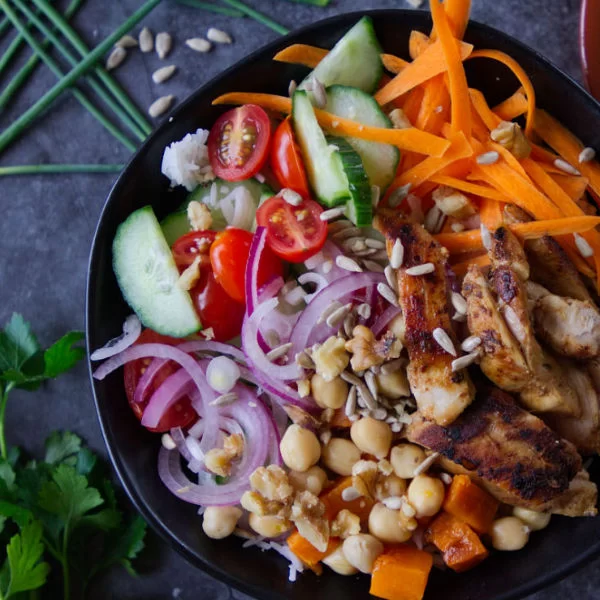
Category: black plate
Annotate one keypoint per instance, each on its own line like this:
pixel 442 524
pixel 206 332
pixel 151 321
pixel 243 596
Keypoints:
pixel 550 554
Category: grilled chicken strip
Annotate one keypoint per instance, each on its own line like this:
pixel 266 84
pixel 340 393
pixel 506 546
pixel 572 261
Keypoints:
pixel 570 327
pixel 512 453
pixel 441 395
pixel 549 264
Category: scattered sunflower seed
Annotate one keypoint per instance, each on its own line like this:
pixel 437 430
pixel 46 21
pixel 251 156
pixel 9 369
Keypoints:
pixel 375 195
pixel 295 296
pixel 486 237
pixel 397 255
pixel 457 227
pixel 198 44
pixel 146 40
pixel 218 36
pixel 292 88
pixel 168 442
pixel 346 263
pixel 469 344
pixel 373 243
pixel 272 338
pixel 386 292
pixel 319 93
pixel 464 361
pixel 390 277
pixel 380 414
pixel 291 197
pixel 446 478
pixel 393 502
pixel 349 323
pixel 161 75
pixel 335 305
pixel 407 508
pixel 393 366
pixel 279 351
pixel 433 219
pixel 423 269
pixel 364 310
pixel 160 106
pixel 583 246
pixel 396 427
pixel 115 58
pixel 424 466
pixel 127 41
pixel 350 407
pixel 164 43
pixel 586 155
pixel 459 303
pixel 350 494
pixel 371 265
pixel 327 266
pixel 332 213
pixel 224 399
pixel 563 165
pixel 487 158
pixel 325 437
pixel 398 195
pixel 337 316
pixel 346 233
pixel 371 383
pixel 302 358
pixel 444 341
pixel 338 226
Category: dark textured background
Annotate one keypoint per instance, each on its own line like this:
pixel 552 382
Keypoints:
pixel 47 222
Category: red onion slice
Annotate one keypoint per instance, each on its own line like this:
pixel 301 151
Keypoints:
pixel 132 328
pixel 384 319
pixel 257 247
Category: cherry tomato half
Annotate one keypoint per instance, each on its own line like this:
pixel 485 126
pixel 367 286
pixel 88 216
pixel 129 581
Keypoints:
pixel 286 160
pixel 191 245
pixel 228 257
pixel 238 143
pixel 294 233
pixel 181 414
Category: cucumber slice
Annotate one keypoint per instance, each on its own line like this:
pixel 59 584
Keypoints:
pixel 323 163
pixel 379 160
pixel 174 226
pixel 355 60
pixel 147 276
pixel 360 206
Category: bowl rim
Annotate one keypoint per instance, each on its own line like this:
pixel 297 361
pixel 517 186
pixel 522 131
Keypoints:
pixel 544 579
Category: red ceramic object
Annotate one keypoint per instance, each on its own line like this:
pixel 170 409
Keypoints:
pixel 589 38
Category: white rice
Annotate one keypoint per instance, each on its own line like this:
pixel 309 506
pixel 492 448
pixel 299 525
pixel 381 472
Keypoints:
pixel 186 162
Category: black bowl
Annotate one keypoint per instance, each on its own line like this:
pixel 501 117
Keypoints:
pixel 550 554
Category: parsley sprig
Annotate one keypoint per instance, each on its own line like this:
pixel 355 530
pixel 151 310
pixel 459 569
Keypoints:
pixel 61 510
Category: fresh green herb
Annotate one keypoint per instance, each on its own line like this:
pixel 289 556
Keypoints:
pixel 111 85
pixel 39 169
pixel 50 508
pixel 257 16
pixel 18 126
pixel 27 69
pixel 221 10
pixel 53 66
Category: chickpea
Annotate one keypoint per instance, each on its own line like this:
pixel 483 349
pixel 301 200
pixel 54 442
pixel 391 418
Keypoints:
pixel 300 448
pixel 361 551
pixel 220 521
pixel 533 519
pixel 329 394
pixel 372 436
pixel 337 562
pixel 509 533
pixel 426 495
pixel 393 385
pixel 390 486
pixel 405 458
pixel 385 524
pixel 339 455
pixel 269 526
pixel 312 480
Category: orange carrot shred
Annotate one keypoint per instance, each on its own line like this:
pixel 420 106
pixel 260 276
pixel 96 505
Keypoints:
pixel 511 108
pixel 461 268
pixel 509 157
pixel 483 191
pixel 573 185
pixel 433 112
pixel 412 103
pixel 480 104
pixel 490 213
pixel 302 54
pixel 458 12
pixel 418 42
pixel 393 64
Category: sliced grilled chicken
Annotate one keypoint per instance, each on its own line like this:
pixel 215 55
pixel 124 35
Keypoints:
pixel 549 264
pixel 570 327
pixel 441 395
pixel 512 453
pixel 506 251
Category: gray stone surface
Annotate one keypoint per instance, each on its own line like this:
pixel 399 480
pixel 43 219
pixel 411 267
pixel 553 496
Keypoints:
pixel 47 222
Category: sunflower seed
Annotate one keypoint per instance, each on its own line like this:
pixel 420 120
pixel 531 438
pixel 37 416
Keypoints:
pixel 161 75
pixel 457 227
pixel 349 323
pixel 446 478
pixel 302 358
pixel 337 316
pixel 160 106
pixel 487 158
pixel 371 383
pixel 350 407
pixel 224 399
pixel 563 165
pixel 327 266
pixel 393 502
pixel 583 246
pixel 424 466
pixel 319 93
pixel 396 427
pixel 586 155
pixel 373 266
pixel 279 351
pixel 433 220
pixel 325 437
pixel 397 255
pixel 146 40
pixel 163 44
pixel 486 237
pixel 332 213
pixel 386 292
pixel 464 361
pixel 398 195
pixel 346 233
pixel 346 263
pixel 459 303
pixel 375 195
pixel 218 36
pixel 291 197
pixel 407 508
pixel 423 269
pixel 379 414
pixel 372 243
pixel 115 58
pixel 168 442
pixel 198 44
pixel 292 88
pixel 272 338
pixel 364 310
pixel 295 296
pixel 328 311
pixel 127 41
pixel 390 277
pixel 350 494
pixel 368 399
pixel 393 366
pixel 469 344
pixel 459 317
pixel 337 226
pixel 444 341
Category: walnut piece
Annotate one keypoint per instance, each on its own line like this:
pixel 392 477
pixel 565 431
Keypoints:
pixel 189 278
pixel 369 352
pixel 272 483
pixel 388 346
pixel 345 524
pixel 255 503
pixel 452 202
pixel 308 514
pixel 199 216
pixel 220 460
pixel 511 136
pixel 364 477
pixel 331 358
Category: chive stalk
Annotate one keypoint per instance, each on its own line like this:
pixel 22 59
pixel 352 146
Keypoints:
pixel 27 69
pixel 53 66
pixel 44 169
pixel 18 126
pixel 113 87
pixel 257 16
pixel 220 10
pixel 95 85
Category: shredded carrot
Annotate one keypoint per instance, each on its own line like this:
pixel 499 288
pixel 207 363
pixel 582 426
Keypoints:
pixel 461 268
pixel 426 66
pixel 483 191
pixel 520 74
pixel 463 241
pixel 458 12
pixel 459 90
pixel 418 42
pixel 302 54
pixel 406 139
pixel 412 103
pixel 480 105
pixel 393 64
pixel 433 112
pixel 480 131
pixel 490 213
pixel 511 108
pixel 544 156
pixel 573 185
pixel 509 157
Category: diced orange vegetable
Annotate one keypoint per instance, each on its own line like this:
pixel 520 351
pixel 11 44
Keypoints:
pixel 418 42
pixel 306 552
pixel 466 501
pixel 406 139
pixel 401 573
pixel 393 64
pixel 334 502
pixel 302 54
pixel 511 108
pixel 426 66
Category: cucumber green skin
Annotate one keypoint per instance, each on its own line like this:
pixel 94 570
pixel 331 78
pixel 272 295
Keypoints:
pixel 355 60
pixel 379 160
pixel 150 286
